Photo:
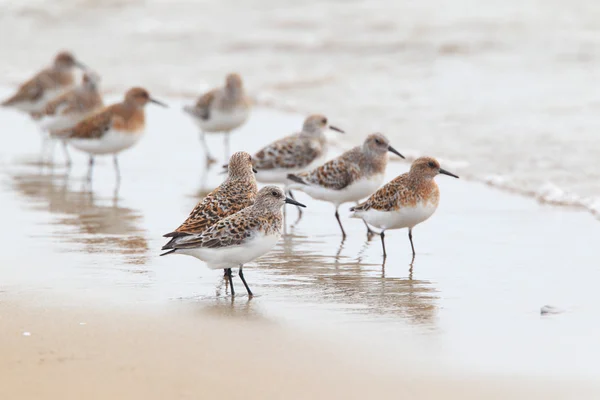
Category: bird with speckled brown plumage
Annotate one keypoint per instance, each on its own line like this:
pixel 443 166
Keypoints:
pixel 404 202
pixel 50 82
pixel 111 130
pixel 66 110
pixel 350 177
pixel 239 238
pixel 237 192
pixel 222 109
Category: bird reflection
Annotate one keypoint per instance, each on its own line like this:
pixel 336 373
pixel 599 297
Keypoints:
pixel 99 224
pixel 302 264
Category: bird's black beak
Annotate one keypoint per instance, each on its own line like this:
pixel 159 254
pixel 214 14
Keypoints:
pixel 254 170
pixel 160 103
pixel 393 150
pixel 294 202
pixel 335 128
pixel 443 171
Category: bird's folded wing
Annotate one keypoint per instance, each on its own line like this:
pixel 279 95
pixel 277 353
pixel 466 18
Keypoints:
pixel 388 197
pixel 289 152
pixel 335 174
pixel 32 90
pixel 203 105
pixel 94 126
pixel 234 230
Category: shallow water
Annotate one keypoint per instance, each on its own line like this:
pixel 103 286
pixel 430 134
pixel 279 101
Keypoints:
pixel 505 88
pixel 487 261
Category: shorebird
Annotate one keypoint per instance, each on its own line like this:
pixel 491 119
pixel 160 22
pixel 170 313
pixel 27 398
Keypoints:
pixel 350 177
pixel 32 96
pixel 111 130
pixel 237 192
pixel 66 110
pixel 238 238
pixel 406 201
pixel 222 109
pixel 294 153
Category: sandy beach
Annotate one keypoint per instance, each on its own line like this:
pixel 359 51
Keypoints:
pixel 108 318
pixel 81 352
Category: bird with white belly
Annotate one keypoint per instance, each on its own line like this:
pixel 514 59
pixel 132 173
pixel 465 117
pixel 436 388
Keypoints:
pixel 238 238
pixel 66 110
pixel 34 94
pixel 406 201
pixel 111 130
pixel 348 178
pixel 222 109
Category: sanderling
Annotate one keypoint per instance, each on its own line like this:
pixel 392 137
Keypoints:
pixel 406 201
pixel 50 82
pixel 221 110
pixel 239 238
pixel 294 153
pixel 66 110
pixel 237 192
pixel 352 176
pixel 111 130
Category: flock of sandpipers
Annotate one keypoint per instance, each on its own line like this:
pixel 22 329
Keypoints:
pixel 236 223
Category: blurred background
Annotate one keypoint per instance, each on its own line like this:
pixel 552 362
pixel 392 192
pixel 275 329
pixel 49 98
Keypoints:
pixel 503 90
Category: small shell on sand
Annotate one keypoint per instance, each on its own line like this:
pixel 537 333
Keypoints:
pixel 545 310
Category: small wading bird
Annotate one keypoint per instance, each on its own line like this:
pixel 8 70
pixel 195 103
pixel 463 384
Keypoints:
pixel 111 130
pixel 348 178
pixel 66 110
pixel 294 153
pixel 237 192
pixel 404 202
pixel 222 109
pixel 238 238
pixel 32 95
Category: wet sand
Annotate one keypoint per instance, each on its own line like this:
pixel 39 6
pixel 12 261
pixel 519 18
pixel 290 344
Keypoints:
pixel 172 353
pixel 329 317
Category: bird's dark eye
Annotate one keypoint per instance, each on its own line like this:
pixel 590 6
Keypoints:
pixel 431 164
pixel 275 194
pixel 377 141
pixel 324 121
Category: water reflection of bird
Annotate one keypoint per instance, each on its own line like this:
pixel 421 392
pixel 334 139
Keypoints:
pixel 338 279
pixel 100 225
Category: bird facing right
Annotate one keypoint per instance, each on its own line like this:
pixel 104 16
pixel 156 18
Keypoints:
pixel 222 109
pixel 50 82
pixel 239 238
pixel 66 110
pixel 350 177
pixel 237 192
pixel 111 130
pixel 294 153
pixel 404 202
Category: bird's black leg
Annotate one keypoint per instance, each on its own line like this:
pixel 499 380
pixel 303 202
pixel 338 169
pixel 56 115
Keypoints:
pixel 411 242
pixel 369 230
pixel 337 216
pixel 90 168
pixel 241 274
pixel 228 274
pixel 382 234
pixel 117 169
